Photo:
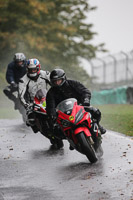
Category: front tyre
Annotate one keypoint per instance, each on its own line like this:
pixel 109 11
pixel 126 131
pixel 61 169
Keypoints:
pixel 86 147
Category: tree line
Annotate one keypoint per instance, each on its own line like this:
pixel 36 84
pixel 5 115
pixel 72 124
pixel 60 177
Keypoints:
pixel 54 31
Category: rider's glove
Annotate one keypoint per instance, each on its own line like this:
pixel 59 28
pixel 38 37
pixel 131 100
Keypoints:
pixel 86 102
pixel 29 108
pixel 14 85
pixel 53 118
pixel 26 105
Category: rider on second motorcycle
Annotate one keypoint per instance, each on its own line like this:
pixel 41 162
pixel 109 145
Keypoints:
pixel 62 88
pixel 15 70
pixel 34 80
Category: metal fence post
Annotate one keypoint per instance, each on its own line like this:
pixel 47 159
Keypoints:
pixel 115 62
pixel 92 71
pixel 104 69
pixel 126 64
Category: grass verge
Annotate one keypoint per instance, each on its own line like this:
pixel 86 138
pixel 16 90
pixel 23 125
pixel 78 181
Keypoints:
pixel 118 118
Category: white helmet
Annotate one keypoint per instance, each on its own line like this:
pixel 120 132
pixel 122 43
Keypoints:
pixel 33 68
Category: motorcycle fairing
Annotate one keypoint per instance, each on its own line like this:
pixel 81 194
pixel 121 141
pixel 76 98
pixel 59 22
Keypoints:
pixel 78 116
pixel 82 129
pixel 41 103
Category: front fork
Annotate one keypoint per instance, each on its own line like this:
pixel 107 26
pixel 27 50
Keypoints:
pixel 86 132
pixel 93 136
pixel 72 135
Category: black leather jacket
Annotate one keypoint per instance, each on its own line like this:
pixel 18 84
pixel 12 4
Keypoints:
pixel 70 89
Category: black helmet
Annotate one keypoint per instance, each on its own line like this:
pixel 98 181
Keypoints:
pixel 57 74
pixel 19 59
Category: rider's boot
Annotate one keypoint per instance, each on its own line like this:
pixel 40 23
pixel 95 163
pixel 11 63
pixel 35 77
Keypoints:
pixel 71 148
pixel 56 143
pixel 35 128
pixel 102 130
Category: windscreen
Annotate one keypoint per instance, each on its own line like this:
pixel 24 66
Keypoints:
pixel 66 105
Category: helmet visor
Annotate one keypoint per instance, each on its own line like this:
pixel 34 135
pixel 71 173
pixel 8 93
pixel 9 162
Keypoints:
pixel 57 82
pixel 32 72
pixel 19 63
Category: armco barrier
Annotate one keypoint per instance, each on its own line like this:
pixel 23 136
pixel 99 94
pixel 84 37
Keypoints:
pixel 121 95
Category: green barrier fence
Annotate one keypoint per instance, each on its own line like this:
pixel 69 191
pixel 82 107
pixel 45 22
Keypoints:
pixel 113 96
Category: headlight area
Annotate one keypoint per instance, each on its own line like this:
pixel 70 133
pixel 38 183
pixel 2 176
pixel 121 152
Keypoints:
pixel 65 123
pixel 78 117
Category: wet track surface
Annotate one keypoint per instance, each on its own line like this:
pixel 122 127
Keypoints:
pixel 31 170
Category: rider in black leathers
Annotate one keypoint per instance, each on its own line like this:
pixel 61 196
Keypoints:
pixel 61 89
pixel 15 70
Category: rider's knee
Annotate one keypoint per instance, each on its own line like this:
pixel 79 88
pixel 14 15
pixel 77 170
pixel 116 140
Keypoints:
pixel 96 113
pixel 7 91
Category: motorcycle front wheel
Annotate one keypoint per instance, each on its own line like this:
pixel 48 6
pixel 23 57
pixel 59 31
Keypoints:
pixel 87 147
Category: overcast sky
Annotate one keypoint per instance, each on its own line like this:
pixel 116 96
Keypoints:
pixel 113 21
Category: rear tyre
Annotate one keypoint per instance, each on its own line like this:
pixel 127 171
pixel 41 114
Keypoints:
pixel 86 147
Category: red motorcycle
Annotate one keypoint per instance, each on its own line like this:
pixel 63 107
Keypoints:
pixel 79 128
pixel 37 118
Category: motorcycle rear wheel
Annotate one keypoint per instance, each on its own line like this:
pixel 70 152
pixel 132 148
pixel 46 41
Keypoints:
pixel 87 148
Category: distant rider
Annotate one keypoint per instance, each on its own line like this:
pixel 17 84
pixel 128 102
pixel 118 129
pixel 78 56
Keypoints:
pixel 15 70
pixel 61 89
pixel 34 80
